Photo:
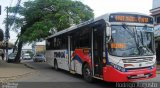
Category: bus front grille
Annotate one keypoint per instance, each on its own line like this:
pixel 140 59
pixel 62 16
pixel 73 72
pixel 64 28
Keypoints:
pixel 137 60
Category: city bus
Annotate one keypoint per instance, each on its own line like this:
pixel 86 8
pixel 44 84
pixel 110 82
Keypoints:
pixel 115 47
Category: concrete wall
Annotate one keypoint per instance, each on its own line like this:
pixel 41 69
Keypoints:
pixel 40 49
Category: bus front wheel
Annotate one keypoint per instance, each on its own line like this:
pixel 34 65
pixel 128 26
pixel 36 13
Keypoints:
pixel 87 74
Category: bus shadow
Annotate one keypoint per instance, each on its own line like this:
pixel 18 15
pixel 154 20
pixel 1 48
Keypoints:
pixel 97 83
pixel 68 73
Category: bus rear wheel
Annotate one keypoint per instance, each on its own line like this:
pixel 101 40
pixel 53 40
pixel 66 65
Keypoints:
pixel 87 74
pixel 55 65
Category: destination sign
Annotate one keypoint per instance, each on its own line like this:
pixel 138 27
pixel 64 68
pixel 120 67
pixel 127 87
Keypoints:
pixel 135 18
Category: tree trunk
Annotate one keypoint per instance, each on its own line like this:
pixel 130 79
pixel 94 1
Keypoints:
pixel 20 45
pixel 15 45
pixel 18 56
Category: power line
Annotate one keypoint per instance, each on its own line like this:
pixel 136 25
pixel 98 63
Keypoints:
pixel 11 3
pixel 7 26
pixel 16 10
pixel 17 7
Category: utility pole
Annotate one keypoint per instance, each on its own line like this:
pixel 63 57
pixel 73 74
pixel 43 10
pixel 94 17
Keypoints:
pixel 0 9
pixel 7 36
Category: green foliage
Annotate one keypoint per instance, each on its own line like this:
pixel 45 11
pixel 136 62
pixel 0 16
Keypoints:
pixel 36 18
pixel 1 35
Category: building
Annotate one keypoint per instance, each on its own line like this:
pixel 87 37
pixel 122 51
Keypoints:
pixel 26 48
pixel 155 12
pixel 39 47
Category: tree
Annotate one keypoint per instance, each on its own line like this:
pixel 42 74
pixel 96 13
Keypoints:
pixel 37 18
pixel 1 35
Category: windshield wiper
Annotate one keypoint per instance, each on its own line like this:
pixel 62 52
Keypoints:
pixel 143 46
pixel 145 50
pixel 133 35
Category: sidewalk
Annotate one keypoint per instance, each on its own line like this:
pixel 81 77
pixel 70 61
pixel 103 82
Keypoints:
pixel 11 71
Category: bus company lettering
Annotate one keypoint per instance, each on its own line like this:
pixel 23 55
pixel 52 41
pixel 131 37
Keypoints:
pixel 60 54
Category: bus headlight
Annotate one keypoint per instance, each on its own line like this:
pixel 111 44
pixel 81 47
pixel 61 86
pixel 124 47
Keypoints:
pixel 151 67
pixel 118 67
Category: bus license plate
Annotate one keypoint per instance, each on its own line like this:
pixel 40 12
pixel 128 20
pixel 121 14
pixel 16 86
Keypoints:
pixel 140 75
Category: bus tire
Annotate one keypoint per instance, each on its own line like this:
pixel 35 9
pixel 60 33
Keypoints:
pixel 87 74
pixel 55 65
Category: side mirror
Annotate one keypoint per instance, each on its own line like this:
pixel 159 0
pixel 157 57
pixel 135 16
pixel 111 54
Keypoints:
pixel 108 31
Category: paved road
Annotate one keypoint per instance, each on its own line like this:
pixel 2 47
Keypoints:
pixel 157 79
pixel 46 73
pixel 46 77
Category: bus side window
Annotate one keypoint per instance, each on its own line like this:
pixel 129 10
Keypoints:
pixel 64 42
pixel 85 39
pixel 81 39
pixel 54 43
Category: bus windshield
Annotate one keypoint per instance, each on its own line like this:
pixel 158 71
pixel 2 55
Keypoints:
pixel 131 41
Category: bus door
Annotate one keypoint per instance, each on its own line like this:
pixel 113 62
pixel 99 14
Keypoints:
pixel 72 48
pixel 69 52
pixel 97 51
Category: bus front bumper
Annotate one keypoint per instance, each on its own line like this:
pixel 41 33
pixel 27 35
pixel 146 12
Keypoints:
pixel 111 74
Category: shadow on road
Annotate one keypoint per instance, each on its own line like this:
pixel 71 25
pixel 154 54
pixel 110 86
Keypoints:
pixel 71 80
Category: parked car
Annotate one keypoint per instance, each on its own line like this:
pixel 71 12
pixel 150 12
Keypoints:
pixel 26 57
pixel 11 57
pixel 39 58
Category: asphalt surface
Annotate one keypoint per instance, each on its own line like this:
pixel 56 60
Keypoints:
pixel 46 77
pixel 45 73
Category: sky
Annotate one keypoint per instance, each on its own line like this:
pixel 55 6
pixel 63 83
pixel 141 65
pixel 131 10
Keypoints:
pixel 100 7
pixel 3 4
pixel 106 6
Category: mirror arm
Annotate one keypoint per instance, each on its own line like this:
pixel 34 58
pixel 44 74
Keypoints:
pixel 109 26
pixel 109 39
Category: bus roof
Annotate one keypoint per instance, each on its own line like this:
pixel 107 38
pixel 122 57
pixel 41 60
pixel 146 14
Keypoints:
pixel 105 17
pixel 80 25
pixel 131 13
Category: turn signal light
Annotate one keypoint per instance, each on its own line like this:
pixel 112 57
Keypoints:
pixel 126 65
pixel 104 60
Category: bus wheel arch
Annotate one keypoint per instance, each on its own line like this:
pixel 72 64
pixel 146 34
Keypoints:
pixel 55 64
pixel 86 72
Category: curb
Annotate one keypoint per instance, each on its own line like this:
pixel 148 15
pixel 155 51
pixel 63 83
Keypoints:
pixel 28 66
